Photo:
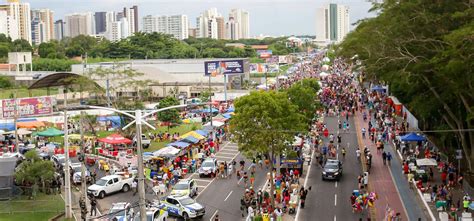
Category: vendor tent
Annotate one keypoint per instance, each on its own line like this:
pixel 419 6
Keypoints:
pixel 166 152
pixel 30 124
pixel 114 120
pixel 190 139
pixel 20 132
pixel 215 124
pixel 50 132
pixel 412 137
pixel 179 144
pixel 426 162
pixel 323 74
pixel 202 132
pixel 78 137
pixel 282 77
pixel 192 133
pixel 227 115
pixel 379 88
pixel 115 139
pixel 7 126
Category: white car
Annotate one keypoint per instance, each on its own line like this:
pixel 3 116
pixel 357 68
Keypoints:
pixel 121 211
pixel 110 184
pixel 153 213
pixel 208 168
pixel 185 187
pixel 182 206
pixel 76 177
pixel 59 160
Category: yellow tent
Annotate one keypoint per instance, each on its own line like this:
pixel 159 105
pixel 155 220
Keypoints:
pixel 193 134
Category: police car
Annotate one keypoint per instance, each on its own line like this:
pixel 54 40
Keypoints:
pixel 186 187
pixel 182 206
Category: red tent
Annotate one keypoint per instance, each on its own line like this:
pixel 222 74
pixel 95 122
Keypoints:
pixel 115 139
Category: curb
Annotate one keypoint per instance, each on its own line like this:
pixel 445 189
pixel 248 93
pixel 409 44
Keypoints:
pixel 424 202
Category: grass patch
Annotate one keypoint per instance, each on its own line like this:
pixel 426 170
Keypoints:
pixel 181 129
pixel 23 92
pixel 43 207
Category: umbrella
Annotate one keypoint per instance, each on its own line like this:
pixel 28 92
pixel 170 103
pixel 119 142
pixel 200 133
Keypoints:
pixel 426 162
pixel 412 137
pixel 115 139
pixel 148 154
pixel 50 132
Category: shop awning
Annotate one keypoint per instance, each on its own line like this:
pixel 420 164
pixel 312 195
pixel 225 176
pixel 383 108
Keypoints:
pixel 166 152
pixel 412 137
pixel 202 132
pixel 215 124
pixel 426 162
pixel 78 137
pixel 115 139
pixel 190 139
pixel 30 124
pixel 192 133
pixel 179 144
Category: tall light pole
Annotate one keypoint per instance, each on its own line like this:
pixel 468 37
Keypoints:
pixel 67 174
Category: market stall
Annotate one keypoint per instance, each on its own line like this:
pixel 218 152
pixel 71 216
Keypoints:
pixel 112 144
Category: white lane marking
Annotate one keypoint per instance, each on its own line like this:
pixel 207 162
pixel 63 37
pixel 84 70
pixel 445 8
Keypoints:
pixel 336 184
pixel 334 217
pixel 201 186
pixel 230 150
pixel 201 180
pixel 228 196
pixel 220 153
pixel 217 157
pixel 335 199
pixel 212 217
pixel 305 184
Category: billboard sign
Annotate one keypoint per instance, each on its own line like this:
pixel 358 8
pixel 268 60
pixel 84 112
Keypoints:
pixel 258 68
pixel 27 107
pixel 215 68
pixel 264 53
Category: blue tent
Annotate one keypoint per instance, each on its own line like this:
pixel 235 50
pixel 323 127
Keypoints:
pixel 179 144
pixel 379 88
pixel 206 110
pixel 231 109
pixel 7 126
pixel 202 132
pixel 148 154
pixel 227 116
pixel 412 137
pixel 115 120
pixel 190 139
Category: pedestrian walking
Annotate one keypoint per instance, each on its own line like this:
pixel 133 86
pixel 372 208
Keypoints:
pixel 384 158
pixel 389 158
pixel 134 186
pixel 358 154
pixel 93 202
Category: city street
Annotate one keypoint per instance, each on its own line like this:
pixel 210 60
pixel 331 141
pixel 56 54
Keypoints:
pixel 330 200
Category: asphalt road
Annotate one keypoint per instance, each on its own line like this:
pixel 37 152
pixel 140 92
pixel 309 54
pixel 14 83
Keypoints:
pixel 330 200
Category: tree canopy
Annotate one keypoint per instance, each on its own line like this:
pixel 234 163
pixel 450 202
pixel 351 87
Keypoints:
pixel 424 50
pixel 34 171
pixel 169 116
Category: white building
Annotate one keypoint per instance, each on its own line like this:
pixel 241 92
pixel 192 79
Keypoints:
pixel 118 30
pixel 207 25
pixel 42 26
pixel 20 13
pixel 232 29
pixel 176 25
pixel 132 18
pixel 59 29
pixel 80 24
pixel 332 23
pixel 241 18
pixel 8 26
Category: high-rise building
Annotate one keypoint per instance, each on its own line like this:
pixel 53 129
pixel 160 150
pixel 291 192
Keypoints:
pixel 232 29
pixel 332 23
pixel 176 25
pixel 100 22
pixel 59 29
pixel 42 26
pixel 19 12
pixel 8 26
pixel 241 18
pixel 192 32
pixel 132 17
pixel 210 24
pixel 118 30
pixel 80 24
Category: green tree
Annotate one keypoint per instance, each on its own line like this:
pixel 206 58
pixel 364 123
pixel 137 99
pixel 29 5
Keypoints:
pixel 34 171
pixel 170 116
pixel 265 123
pixel 21 45
pixel 5 82
pixel 304 98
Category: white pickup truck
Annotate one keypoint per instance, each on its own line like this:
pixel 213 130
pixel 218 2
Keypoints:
pixel 110 184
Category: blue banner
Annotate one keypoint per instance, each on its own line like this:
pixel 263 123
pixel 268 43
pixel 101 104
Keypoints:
pixel 215 68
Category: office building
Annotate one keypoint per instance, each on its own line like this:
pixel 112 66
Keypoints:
pixel 176 25
pixel 332 23
pixel 242 21
pixel 8 26
pixel 21 14
pixel 80 24
pixel 132 17
pixel 232 29
pixel 210 24
pixel 42 26
pixel 100 22
pixel 118 30
pixel 59 29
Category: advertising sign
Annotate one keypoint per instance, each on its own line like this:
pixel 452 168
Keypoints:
pixel 264 53
pixel 258 68
pixel 215 68
pixel 27 107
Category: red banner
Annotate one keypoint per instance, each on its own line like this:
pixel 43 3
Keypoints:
pixel 27 107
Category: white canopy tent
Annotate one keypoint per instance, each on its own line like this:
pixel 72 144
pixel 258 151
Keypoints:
pixel 426 162
pixel 323 74
pixel 215 124
pixel 166 151
pixel 282 77
pixel 21 132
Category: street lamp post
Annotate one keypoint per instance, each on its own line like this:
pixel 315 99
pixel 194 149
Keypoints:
pixel 67 174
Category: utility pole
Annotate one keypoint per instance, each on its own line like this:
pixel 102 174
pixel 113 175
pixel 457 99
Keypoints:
pixel 67 174
pixel 210 99
pixel 141 177
pixel 15 119
pixel 83 163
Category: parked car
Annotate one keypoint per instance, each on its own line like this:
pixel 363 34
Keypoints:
pixel 153 213
pixel 208 168
pixel 186 187
pixel 121 211
pixel 59 160
pixel 76 177
pixel 332 170
pixel 110 184
pixel 182 206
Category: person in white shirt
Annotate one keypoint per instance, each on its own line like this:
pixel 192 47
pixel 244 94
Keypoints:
pixel 250 214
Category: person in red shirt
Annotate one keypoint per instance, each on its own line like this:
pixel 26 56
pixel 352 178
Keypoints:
pixel 444 176
pixel 405 168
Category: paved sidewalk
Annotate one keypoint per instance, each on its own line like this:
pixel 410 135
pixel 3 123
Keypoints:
pixel 380 179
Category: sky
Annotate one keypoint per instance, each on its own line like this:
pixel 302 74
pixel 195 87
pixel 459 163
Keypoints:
pixel 267 17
